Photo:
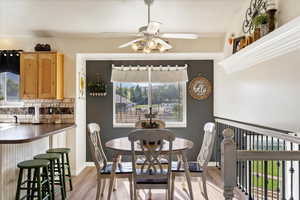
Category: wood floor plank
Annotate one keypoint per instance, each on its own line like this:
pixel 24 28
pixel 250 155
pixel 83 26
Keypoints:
pixel 85 188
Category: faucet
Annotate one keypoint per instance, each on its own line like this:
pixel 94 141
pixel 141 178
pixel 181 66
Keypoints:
pixel 36 117
pixel 16 119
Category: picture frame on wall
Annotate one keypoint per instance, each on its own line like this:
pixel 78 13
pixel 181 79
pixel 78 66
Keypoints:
pixel 82 85
pixel 237 44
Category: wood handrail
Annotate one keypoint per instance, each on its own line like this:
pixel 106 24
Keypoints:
pixel 290 137
pixel 267 155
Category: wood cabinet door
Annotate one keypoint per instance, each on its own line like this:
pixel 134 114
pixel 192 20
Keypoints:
pixel 28 76
pixel 47 76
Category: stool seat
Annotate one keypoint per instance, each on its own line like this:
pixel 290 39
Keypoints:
pixel 33 164
pixel 59 150
pixel 47 156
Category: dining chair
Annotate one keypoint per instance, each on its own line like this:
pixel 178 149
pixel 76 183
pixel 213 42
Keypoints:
pixel 152 174
pixel 104 168
pixel 199 168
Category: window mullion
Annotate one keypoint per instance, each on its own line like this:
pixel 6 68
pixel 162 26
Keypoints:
pixel 5 87
pixel 149 94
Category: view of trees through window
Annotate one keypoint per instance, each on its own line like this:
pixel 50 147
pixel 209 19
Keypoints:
pixel 9 87
pixel 132 103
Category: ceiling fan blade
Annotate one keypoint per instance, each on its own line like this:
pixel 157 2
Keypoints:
pixel 179 36
pixel 130 43
pixel 116 34
pixel 153 28
pixel 163 43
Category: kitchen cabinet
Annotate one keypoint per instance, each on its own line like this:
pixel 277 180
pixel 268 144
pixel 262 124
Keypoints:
pixel 41 75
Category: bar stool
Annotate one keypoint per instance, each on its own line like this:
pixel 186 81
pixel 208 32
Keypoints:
pixel 65 162
pixel 55 170
pixel 35 184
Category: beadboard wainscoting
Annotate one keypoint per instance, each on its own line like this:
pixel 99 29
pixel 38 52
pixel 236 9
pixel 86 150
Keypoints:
pixel 11 155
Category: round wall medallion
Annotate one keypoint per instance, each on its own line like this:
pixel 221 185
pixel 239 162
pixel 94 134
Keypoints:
pixel 200 88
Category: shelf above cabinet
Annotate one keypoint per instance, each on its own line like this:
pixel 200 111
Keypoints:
pixel 277 43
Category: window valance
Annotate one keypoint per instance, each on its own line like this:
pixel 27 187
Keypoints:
pixel 149 73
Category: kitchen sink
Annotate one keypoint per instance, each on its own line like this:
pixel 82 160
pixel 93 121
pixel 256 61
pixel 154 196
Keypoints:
pixel 4 126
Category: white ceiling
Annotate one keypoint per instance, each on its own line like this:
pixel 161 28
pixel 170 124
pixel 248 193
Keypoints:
pixel 101 17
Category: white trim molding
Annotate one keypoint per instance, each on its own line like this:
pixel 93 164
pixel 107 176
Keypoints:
pixel 281 41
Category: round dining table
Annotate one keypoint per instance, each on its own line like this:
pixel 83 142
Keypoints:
pixel 122 147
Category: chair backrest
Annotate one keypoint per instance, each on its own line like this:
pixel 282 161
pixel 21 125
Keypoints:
pixel 98 154
pixel 153 143
pixel 207 145
pixel 160 123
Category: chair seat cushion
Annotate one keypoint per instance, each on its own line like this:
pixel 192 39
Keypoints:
pixel 141 160
pixel 152 181
pixel 193 167
pixel 123 168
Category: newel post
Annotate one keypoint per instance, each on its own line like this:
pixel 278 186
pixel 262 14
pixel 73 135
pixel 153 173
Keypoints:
pixel 228 163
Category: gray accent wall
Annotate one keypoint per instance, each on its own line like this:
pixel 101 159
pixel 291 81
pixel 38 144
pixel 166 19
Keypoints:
pixel 100 109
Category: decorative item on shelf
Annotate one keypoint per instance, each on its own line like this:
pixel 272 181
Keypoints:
pixel 82 81
pixel 97 88
pixel 256 34
pixel 261 23
pixel 271 10
pixel 256 8
pixel 230 39
pixel 238 44
pixel 249 40
pixel 42 47
pixel 200 88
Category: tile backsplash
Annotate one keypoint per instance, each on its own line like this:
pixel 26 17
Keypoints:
pixel 51 111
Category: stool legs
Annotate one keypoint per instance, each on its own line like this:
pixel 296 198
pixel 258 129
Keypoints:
pixel 48 185
pixel 52 178
pixel 69 172
pixel 28 184
pixel 61 179
pixel 39 185
pixel 19 184
pixel 63 170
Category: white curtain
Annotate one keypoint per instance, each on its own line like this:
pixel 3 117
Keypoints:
pixel 154 74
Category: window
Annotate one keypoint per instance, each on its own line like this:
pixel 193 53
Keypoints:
pixel 131 103
pixel 9 88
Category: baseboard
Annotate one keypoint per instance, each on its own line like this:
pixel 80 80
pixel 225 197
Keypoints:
pixel 89 164
pixel 212 164
pixel 76 172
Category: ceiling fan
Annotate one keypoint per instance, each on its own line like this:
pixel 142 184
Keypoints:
pixel 150 37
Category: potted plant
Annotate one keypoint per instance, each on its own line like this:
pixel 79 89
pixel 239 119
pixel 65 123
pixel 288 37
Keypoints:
pixel 261 24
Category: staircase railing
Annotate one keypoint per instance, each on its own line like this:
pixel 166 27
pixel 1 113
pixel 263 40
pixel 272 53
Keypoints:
pixel 264 163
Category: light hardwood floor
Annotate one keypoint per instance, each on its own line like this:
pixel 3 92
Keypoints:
pixel 85 188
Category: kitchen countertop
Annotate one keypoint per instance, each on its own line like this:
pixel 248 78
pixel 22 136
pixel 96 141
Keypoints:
pixel 23 133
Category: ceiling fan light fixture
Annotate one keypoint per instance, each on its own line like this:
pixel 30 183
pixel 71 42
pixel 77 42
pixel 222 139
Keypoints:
pixel 162 48
pixel 152 44
pixel 147 50
pixel 135 47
